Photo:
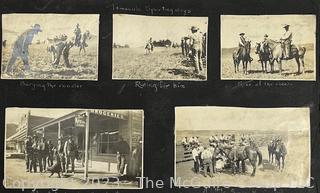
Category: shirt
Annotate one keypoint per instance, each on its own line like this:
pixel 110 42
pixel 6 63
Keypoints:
pixel 196 40
pixel 206 154
pixel 287 36
pixel 195 153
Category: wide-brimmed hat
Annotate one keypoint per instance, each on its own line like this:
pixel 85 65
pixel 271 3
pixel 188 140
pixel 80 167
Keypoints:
pixel 37 27
pixel 266 35
pixel 285 25
pixel 194 28
pixel 241 34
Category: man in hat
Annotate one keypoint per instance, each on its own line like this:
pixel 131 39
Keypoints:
pixel 286 40
pixel 21 48
pixel 206 157
pixel 28 153
pixel 182 46
pixel 196 48
pixel 60 153
pixel 70 152
pixel 242 43
pixel 77 33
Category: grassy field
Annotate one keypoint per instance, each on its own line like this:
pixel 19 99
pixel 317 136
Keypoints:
pixel 289 67
pixel 162 64
pixel 295 174
pixel 84 66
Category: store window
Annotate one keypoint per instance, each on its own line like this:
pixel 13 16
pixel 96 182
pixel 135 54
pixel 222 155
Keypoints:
pixel 107 144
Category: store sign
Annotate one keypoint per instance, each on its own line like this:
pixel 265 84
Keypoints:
pixel 108 114
pixel 80 120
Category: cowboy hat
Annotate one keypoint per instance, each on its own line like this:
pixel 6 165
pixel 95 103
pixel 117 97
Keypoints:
pixel 241 34
pixel 37 27
pixel 285 25
pixel 266 35
pixel 194 28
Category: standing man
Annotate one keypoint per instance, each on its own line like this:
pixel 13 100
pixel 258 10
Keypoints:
pixel 196 160
pixel 50 153
pixel 206 157
pixel 60 151
pixel 286 39
pixel 123 149
pixel 28 153
pixel 77 33
pixel 36 152
pixel 182 46
pixel 43 152
pixel 21 48
pixel 196 48
pixel 70 152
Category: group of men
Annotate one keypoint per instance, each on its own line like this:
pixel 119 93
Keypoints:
pixel 203 155
pixel 194 46
pixel 41 153
pixel 286 40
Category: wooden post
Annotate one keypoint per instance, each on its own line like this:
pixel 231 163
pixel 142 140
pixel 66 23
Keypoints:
pixel 86 150
pixel 59 129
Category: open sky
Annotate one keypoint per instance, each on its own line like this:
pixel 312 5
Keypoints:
pixel 135 30
pixel 255 27
pixel 237 118
pixel 51 24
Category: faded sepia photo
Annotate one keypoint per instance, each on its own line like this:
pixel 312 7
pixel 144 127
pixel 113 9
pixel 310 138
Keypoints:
pixel 242 147
pixel 268 47
pixel 50 46
pixel 159 47
pixel 73 148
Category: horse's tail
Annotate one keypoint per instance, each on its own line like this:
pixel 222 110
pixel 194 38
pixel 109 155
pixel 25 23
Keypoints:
pixel 303 51
pixel 260 157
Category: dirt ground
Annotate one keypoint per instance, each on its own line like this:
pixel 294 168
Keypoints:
pixel 17 177
pixel 295 173
pixel 162 64
pixel 84 66
pixel 289 67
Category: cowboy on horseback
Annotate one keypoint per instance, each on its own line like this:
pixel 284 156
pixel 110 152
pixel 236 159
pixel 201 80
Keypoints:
pixel 242 44
pixel 286 40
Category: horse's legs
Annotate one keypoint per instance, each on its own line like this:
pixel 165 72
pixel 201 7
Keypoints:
pixel 298 63
pixel 302 62
pixel 254 165
pixel 280 66
pixel 243 166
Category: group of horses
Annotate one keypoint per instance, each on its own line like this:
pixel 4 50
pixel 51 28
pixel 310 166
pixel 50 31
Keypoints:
pixel 270 51
pixel 277 152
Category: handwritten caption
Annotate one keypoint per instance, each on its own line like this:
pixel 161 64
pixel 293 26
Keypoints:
pixel 152 10
pixel 156 86
pixel 48 85
pixel 260 83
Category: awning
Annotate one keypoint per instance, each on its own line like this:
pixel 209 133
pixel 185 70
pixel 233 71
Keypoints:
pixel 20 136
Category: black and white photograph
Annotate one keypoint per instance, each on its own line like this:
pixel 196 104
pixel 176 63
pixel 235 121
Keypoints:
pixel 159 47
pixel 50 46
pixel 242 147
pixel 268 47
pixel 73 148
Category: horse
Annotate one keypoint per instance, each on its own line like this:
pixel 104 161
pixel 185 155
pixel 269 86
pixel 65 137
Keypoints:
pixel 148 48
pixel 271 151
pixel 280 152
pixel 242 154
pixel 83 44
pixel 264 56
pixel 244 56
pixel 297 53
